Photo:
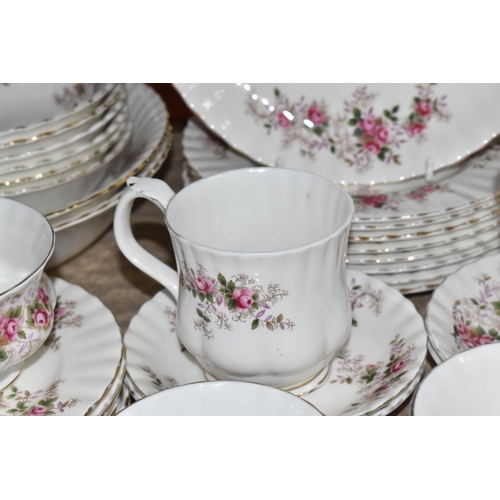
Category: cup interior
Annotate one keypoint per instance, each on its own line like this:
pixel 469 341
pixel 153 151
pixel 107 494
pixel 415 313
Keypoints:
pixel 260 210
pixel 27 242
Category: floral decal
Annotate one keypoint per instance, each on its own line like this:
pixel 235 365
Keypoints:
pixel 356 135
pixel 476 319
pixel 34 404
pixel 219 148
pixel 64 316
pixel 71 97
pixel 361 295
pixel 391 201
pixel 239 296
pixel 373 380
pixel 167 383
pixel 24 321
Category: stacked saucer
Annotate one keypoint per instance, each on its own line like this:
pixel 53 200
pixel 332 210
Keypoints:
pixel 411 238
pixel 80 368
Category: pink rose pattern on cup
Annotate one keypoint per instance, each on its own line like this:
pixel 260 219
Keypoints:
pixel 240 297
pixel 356 135
pixel 41 403
pixel 64 316
pixel 24 324
pixel 476 319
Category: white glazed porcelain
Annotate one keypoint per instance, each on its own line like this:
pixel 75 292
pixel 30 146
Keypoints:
pixel 33 109
pixel 356 134
pixel 375 372
pixel 222 398
pixel 470 189
pixel 247 267
pixel 462 312
pixel 466 384
pixel 149 122
pixel 39 154
pixel 27 296
pixel 78 228
pixel 60 136
pixel 78 369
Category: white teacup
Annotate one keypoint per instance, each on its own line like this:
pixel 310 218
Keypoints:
pixel 27 295
pixel 261 289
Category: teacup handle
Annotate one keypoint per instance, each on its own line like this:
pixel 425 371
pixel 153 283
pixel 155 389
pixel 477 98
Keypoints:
pixel 160 194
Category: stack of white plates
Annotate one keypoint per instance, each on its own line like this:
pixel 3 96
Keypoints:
pixel 73 166
pixel 411 239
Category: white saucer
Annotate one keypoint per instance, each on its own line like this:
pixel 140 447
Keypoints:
pixel 156 360
pixel 463 310
pixel 79 369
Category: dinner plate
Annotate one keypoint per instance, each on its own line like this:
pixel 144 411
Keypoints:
pixel 473 188
pixel 464 310
pixel 382 360
pixel 371 134
pixel 76 369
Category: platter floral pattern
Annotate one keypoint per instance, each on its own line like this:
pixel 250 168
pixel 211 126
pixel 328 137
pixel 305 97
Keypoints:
pixel 71 97
pixel 476 318
pixel 357 134
pixel 238 297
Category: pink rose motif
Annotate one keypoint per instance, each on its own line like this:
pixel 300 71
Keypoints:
pixel 462 329
pixel 42 296
pixel 372 147
pixel 203 285
pixel 367 126
pixel 484 339
pixel 397 366
pixel 41 317
pixel 59 313
pixel 423 108
pixel 243 298
pixel 9 326
pixel 417 196
pixel 37 411
pixel 373 200
pixel 416 128
pixel 315 115
pixel 284 121
pixel 381 134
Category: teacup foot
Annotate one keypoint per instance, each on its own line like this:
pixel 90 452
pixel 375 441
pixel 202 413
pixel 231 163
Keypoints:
pixel 300 390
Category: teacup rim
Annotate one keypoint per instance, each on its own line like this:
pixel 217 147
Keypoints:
pixel 298 248
pixel 44 261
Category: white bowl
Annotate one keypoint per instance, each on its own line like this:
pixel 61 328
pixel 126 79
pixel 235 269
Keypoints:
pixel 221 398
pixel 464 385
pixel 149 121
pixel 31 109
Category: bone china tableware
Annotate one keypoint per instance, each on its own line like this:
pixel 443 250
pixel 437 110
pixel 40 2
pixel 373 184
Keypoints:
pixel 464 385
pixel 463 310
pixel 78 370
pixel 219 398
pixel 357 134
pixel 375 372
pixel 261 257
pixel 27 296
